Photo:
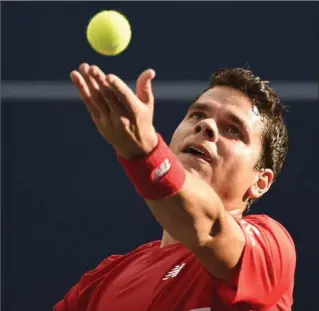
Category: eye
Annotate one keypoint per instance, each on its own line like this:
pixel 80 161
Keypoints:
pixel 197 115
pixel 233 131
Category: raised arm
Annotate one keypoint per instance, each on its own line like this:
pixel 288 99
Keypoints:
pixel 194 214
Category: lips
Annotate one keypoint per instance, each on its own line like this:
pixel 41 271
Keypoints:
pixel 198 151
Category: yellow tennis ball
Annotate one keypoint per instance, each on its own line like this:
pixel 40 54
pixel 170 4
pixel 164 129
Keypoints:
pixel 109 33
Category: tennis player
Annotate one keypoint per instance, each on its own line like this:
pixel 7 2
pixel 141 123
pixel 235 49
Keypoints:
pixel 225 154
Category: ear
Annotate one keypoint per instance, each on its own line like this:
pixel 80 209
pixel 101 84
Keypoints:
pixel 263 181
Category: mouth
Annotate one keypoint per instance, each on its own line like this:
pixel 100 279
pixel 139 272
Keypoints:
pixel 199 152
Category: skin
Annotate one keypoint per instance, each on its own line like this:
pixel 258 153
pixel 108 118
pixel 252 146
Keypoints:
pixel 203 214
pixel 235 147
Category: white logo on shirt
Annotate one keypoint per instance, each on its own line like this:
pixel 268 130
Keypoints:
pixel 173 272
pixel 252 231
pixel 162 170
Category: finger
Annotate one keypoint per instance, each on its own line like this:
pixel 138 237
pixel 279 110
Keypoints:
pixel 105 89
pixel 122 91
pixel 80 83
pixel 107 92
pixel 144 86
pixel 96 95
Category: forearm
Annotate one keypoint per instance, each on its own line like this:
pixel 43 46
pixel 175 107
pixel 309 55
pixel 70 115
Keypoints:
pixel 184 205
pixel 189 215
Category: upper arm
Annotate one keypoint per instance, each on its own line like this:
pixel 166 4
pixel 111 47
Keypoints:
pixel 221 253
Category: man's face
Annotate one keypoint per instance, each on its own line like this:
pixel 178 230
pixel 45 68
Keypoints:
pixel 226 130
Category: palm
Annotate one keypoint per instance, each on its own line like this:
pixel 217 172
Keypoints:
pixel 123 118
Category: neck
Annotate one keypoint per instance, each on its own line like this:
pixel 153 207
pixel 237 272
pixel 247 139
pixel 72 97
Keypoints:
pixel 167 239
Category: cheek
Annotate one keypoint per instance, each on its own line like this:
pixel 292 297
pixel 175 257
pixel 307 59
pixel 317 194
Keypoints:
pixel 239 158
pixel 178 137
pixel 235 175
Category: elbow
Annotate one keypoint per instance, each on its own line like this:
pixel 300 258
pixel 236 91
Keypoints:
pixel 203 234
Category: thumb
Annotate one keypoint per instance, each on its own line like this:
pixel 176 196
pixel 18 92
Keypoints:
pixel 144 86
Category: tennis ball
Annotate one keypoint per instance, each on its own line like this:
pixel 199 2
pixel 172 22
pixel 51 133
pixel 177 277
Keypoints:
pixel 109 33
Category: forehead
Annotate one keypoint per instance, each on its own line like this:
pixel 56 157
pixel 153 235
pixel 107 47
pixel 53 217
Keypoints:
pixel 224 95
pixel 227 99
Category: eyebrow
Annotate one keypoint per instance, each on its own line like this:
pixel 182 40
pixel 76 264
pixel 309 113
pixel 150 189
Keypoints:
pixel 232 117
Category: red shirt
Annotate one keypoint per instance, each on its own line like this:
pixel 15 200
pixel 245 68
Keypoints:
pixel 152 278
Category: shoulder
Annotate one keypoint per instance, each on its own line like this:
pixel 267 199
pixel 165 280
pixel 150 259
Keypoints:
pixel 113 260
pixel 266 270
pixel 264 227
pixel 146 246
pixel 265 222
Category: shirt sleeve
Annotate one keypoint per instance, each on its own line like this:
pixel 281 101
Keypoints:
pixel 77 298
pixel 267 265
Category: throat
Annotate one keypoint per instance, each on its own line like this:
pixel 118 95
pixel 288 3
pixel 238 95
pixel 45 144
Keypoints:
pixel 167 239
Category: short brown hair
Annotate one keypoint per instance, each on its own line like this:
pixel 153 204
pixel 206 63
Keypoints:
pixel 275 136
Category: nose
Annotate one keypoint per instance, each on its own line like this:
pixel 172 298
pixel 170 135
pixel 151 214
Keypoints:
pixel 208 129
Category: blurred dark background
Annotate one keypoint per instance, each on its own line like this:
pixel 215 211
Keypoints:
pixel 66 203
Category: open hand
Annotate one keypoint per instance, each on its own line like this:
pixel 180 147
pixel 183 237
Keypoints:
pixel 123 118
